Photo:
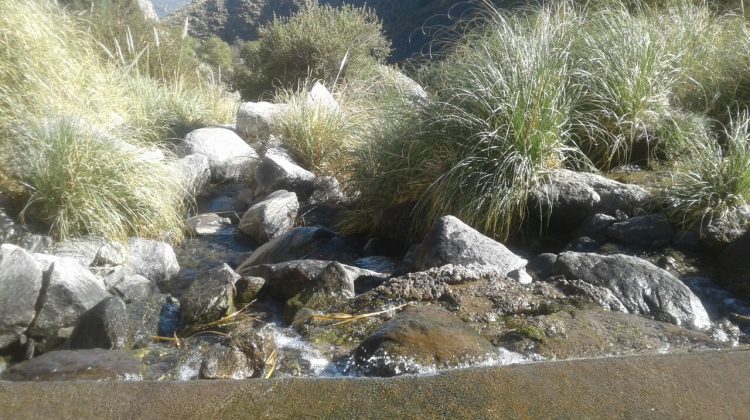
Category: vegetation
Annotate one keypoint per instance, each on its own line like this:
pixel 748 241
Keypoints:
pixel 319 42
pixel 77 120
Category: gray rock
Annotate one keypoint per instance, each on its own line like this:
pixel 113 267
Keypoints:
pixel 642 287
pixel 195 173
pixel 148 10
pixel 70 365
pixel 326 189
pixel 595 226
pixel 569 197
pixel 270 218
pixel 210 296
pixel 258 120
pixel 83 249
pixel 129 287
pixel 104 326
pixel 542 266
pixel 229 157
pixel 599 295
pixel 221 362
pixel 277 171
pixel 583 244
pixel 417 340
pixel 718 233
pixel 70 290
pixel 384 265
pixel 648 230
pixel 403 83
pixel 304 243
pixel 15 234
pixel 111 254
pixel 153 260
pixel 453 242
pixel 321 96
pixel 208 224
pixel 734 264
pixel 248 288
pixel 20 284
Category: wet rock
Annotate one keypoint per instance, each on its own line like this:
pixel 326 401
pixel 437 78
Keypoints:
pixel 153 260
pixel 384 265
pixel 270 218
pixel 542 266
pixel 596 226
pixel 332 285
pixel 71 365
pixel 170 318
pixel 304 243
pixel 20 284
pixel 15 234
pixel 420 337
pixel 642 287
pixel 453 242
pixel 248 288
pixel 648 230
pixel 328 215
pixel 104 326
pixel 70 289
pixel 258 120
pixel 583 244
pixel 599 295
pixel 129 287
pixel 570 197
pixel 229 157
pixel 208 224
pixel 195 172
pixel 210 296
pixel 221 362
pixel 277 171
pixel 258 346
pixel 734 264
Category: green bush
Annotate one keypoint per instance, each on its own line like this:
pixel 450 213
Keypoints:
pixel 319 42
pixel 84 182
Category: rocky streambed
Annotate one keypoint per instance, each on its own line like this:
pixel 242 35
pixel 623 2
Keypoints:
pixel 266 287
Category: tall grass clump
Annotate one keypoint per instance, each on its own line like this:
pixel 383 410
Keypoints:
pixel 319 42
pixel 85 182
pixel 498 124
pixel 714 182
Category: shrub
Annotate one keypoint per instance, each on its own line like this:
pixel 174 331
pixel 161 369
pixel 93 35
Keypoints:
pixel 713 182
pixel 499 122
pixel 84 182
pixel 319 42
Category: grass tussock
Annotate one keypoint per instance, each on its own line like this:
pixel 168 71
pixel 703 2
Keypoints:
pixel 714 183
pixel 78 118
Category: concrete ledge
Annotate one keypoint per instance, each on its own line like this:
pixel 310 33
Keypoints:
pixel 708 385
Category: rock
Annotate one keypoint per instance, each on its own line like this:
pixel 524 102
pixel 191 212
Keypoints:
pixel 403 83
pixel 649 230
pixel 417 339
pixel 583 244
pixel 221 362
pixel 569 197
pixel 129 287
pixel 642 287
pixel 716 234
pixel 326 189
pixel 148 10
pixel 104 326
pixel 452 242
pixel 734 264
pixel 70 290
pixel 70 365
pixel 229 157
pixel 303 243
pixel 195 172
pixel 210 296
pixel 83 249
pixel 276 171
pixel 208 224
pixel 15 234
pixel 599 295
pixel 111 254
pixel 319 95
pixel 270 218
pixel 258 347
pixel 153 260
pixel 20 284
pixel 328 215
pixel 542 266
pixel 248 288
pixel 258 120
pixel 596 226
pixel 384 265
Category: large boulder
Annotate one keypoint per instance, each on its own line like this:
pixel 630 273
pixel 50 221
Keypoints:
pixel 270 218
pixel 453 242
pixel 648 230
pixel 641 287
pixel 420 339
pixel 258 120
pixel 129 287
pixel 569 197
pixel 229 157
pixel 20 284
pixel 71 289
pixel 734 264
pixel 303 243
pixel 277 171
pixel 153 260
pixel 82 249
pixel 195 173
pixel 210 296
